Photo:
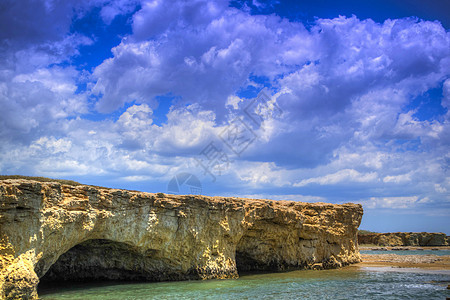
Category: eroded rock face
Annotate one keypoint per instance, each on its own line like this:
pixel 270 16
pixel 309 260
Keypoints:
pixel 51 231
pixel 404 239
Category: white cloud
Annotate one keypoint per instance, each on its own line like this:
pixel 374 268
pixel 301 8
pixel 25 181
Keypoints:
pixel 346 87
pixel 260 174
pixel 136 118
pixel 398 178
pixel 233 101
pixel 190 61
pixel 136 178
pixel 55 79
pixel 289 197
pixel 60 168
pixel 392 202
pixel 187 129
pixel 117 7
pixel 39 99
pixel 440 189
pixel 52 145
pixel 346 175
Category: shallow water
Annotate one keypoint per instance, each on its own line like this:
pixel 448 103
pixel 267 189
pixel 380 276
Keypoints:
pixel 408 252
pixel 347 283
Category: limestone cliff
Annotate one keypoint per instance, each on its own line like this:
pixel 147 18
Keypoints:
pixel 54 231
pixel 404 239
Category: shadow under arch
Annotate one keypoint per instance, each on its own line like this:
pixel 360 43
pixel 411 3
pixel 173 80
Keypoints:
pixel 103 260
pixel 267 246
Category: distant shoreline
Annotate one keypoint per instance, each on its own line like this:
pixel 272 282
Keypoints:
pixel 376 247
pixel 427 262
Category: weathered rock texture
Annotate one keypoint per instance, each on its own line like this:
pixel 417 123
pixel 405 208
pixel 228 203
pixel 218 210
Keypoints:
pixel 52 231
pixel 404 239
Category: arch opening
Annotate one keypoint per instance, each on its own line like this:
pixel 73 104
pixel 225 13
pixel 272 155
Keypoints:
pixel 268 246
pixel 100 259
pixel 255 253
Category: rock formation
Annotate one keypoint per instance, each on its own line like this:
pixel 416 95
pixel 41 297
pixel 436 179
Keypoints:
pixel 403 239
pixel 53 231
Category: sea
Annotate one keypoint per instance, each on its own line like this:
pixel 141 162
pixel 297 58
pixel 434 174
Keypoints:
pixel 352 282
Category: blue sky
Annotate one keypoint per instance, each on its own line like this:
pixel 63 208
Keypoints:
pixel 130 94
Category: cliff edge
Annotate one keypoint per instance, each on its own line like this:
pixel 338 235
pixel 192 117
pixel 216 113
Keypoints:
pixel 53 231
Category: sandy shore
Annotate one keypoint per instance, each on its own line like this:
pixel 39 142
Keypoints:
pixel 430 262
pixel 371 247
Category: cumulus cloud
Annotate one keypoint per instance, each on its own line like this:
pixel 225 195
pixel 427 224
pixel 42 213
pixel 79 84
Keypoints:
pixel 34 101
pixel 202 51
pixel 346 78
pixel 346 87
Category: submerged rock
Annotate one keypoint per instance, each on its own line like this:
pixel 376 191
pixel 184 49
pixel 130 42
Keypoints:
pixel 52 231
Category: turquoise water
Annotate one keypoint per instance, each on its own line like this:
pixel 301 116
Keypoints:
pixel 408 252
pixel 347 283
